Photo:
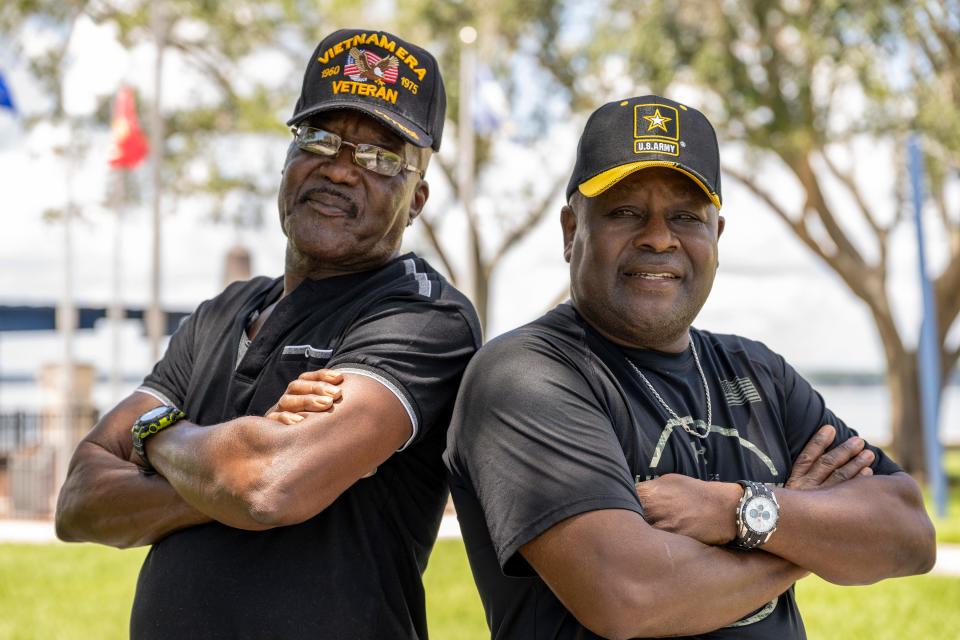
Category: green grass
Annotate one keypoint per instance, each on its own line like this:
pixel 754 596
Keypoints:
pixel 454 611
pixel 84 591
pixel 948 529
pixel 919 607
pixel 63 592
pixel 66 591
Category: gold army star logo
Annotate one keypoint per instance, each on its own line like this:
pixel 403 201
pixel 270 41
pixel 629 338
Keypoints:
pixel 657 121
pixel 656 129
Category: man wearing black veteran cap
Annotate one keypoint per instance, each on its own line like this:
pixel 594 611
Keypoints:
pixel 618 473
pixel 315 521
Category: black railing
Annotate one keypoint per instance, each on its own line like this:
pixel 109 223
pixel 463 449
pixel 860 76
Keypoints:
pixel 18 430
pixel 35 448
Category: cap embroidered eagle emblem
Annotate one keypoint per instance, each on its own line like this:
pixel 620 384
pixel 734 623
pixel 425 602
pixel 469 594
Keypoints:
pixel 657 121
pixel 380 71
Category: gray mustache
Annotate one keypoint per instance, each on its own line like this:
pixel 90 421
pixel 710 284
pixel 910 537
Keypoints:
pixel 348 203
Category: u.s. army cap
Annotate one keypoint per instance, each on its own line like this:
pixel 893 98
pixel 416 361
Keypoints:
pixel 375 72
pixel 625 136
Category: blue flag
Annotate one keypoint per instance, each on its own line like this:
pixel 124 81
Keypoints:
pixel 6 99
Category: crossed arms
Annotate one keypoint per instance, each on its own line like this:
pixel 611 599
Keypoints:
pixel 251 473
pixel 623 575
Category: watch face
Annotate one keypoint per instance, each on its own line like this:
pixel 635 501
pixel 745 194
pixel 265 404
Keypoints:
pixel 153 414
pixel 760 514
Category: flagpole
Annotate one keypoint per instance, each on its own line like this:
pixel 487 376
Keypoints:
pixel 115 311
pixel 465 144
pixel 66 322
pixel 129 149
pixel 154 317
pixel 928 352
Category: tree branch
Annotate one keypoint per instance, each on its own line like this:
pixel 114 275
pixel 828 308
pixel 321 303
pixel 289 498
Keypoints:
pixel 946 40
pixel 431 234
pixel 795 225
pixel 205 61
pixel 948 364
pixel 536 214
pixel 940 204
pixel 846 178
pixel 848 256
pixel 947 290
pixel 449 173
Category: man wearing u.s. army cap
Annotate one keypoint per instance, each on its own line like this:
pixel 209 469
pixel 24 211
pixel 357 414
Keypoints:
pixel 623 137
pixel 617 472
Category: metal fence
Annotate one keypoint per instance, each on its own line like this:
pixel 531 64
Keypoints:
pixel 35 449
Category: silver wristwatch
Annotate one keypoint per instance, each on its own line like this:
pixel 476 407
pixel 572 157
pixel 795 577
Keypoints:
pixel 757 515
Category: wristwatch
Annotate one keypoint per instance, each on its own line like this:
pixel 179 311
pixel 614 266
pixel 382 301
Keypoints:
pixel 153 421
pixel 757 515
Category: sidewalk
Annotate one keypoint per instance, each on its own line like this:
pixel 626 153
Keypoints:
pixel 41 532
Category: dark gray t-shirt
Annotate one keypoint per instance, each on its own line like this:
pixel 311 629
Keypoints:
pixel 551 421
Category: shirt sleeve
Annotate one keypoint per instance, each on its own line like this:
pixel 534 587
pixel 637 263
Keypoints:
pixel 170 377
pixel 417 350
pixel 805 411
pixel 535 444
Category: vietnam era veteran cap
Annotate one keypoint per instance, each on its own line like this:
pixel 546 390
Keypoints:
pixel 626 136
pixel 375 72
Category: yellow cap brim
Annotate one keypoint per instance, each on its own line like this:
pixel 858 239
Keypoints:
pixel 599 183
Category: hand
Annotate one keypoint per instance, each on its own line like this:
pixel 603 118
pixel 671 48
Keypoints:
pixel 694 508
pixel 815 469
pixel 311 392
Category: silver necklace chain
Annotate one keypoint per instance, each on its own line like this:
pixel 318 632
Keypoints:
pixel 692 430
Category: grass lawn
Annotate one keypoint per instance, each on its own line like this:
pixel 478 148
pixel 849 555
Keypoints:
pixel 948 529
pixel 84 591
pixel 60 591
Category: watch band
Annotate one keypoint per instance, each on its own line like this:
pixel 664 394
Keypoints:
pixel 150 423
pixel 748 537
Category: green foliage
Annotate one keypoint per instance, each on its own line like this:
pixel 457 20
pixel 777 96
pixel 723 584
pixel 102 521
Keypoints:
pixel 797 81
pixel 217 40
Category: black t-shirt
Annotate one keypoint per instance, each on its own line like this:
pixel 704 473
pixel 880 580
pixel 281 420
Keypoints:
pixel 354 570
pixel 552 421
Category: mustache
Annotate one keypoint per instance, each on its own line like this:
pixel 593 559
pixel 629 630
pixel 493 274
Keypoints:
pixel 348 203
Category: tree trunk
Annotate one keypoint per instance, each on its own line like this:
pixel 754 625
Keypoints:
pixel 481 292
pixel 906 417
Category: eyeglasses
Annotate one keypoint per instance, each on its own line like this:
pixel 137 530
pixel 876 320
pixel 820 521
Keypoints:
pixel 368 156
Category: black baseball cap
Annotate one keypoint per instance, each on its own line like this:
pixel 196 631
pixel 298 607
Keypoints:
pixel 375 72
pixel 625 136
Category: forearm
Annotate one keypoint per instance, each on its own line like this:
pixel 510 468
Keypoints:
pixel 856 532
pixel 254 473
pixel 225 470
pixel 109 501
pixel 622 578
pixel 699 588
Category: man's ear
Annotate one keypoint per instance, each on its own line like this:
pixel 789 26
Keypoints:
pixel 568 222
pixel 420 194
pixel 720 224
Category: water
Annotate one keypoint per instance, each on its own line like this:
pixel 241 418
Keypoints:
pixel 865 408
